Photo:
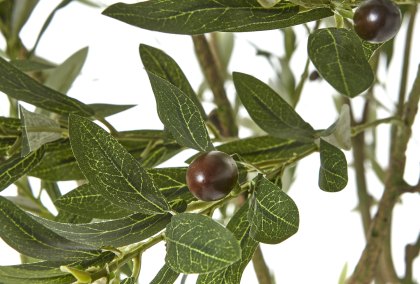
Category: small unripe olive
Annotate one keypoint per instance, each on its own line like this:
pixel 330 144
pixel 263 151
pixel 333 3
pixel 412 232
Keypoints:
pixel 377 20
pixel 212 176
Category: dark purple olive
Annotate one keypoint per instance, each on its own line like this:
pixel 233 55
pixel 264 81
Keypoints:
pixel 377 20
pixel 212 176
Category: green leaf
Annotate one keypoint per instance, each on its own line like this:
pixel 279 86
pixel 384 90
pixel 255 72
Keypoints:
pixel 20 86
pixel 22 10
pixel 115 233
pixel 273 215
pixel 17 166
pixel 28 65
pixel 160 64
pixel 268 149
pixel 165 276
pixel 5 145
pixel 38 130
pixel 58 163
pixel 9 127
pixel 370 48
pixel 31 238
pixel 198 244
pixel 105 110
pixel 180 115
pixel 203 16
pixel 89 201
pixel 130 280
pixel 62 77
pixel 240 227
pixel 109 167
pixel 333 170
pixel 269 110
pixel 339 133
pixel 339 57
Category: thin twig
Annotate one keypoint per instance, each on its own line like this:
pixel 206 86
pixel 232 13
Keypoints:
pixel 260 266
pixel 215 80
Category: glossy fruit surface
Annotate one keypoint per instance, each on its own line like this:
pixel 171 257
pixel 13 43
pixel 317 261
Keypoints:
pixel 377 20
pixel 211 176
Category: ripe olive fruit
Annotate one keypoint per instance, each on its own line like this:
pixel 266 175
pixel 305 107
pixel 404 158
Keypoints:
pixel 377 20
pixel 212 175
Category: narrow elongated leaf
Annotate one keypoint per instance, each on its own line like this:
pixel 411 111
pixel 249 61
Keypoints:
pixel 180 115
pixel 333 171
pixel 37 130
pixel 31 238
pixel 9 127
pixel 105 110
pixel 58 163
pixel 268 149
pixel 130 280
pixel 159 63
pixel 109 167
pixel 273 215
pixel 115 233
pixel 165 276
pixel 89 201
pixel 269 110
pixel 17 166
pixel 203 16
pixel 63 76
pixel 240 227
pixel 20 86
pixel 339 57
pixel 28 65
pixel 22 10
pixel 198 244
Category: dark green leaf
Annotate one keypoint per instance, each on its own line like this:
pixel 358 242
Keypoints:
pixel 339 57
pixel 180 115
pixel 115 233
pixel 31 238
pixel 165 276
pixel 22 10
pixel 269 110
pixel 20 86
pixel 273 215
pixel 240 227
pixel 105 110
pixel 203 16
pixel 110 168
pixel 67 217
pixel 198 244
pixel 160 154
pixel 9 127
pixel 5 145
pixel 62 77
pixel 370 48
pixel 17 166
pixel 130 280
pixel 160 64
pixel 88 201
pixel 38 130
pixel 58 163
pixel 333 170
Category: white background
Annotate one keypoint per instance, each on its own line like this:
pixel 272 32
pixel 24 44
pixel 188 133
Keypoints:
pixel 330 233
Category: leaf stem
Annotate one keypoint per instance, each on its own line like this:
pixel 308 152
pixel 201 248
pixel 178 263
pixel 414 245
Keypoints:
pixel 356 130
pixel 260 267
pixel 211 72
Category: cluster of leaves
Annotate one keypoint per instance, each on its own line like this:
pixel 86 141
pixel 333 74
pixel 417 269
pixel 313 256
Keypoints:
pixel 124 204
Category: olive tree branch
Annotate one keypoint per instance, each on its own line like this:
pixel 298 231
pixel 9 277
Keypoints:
pixel 411 252
pixel 211 72
pixel 380 229
pixel 260 266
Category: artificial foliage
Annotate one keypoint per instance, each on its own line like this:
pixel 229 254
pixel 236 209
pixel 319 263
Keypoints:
pixel 123 204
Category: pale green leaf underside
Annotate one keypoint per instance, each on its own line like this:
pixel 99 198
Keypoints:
pixel 180 115
pixel 110 168
pixel 165 276
pixel 115 233
pixel 16 166
pixel 32 136
pixel 30 238
pixel 159 63
pixel 269 110
pixel 273 215
pixel 198 244
pixel 240 227
pixel 333 171
pixel 20 86
pixel 203 16
pixel 339 57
